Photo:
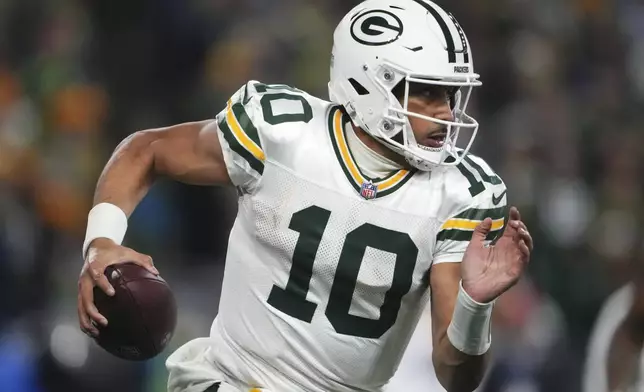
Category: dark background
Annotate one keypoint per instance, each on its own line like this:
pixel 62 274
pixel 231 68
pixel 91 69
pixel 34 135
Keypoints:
pixel 560 113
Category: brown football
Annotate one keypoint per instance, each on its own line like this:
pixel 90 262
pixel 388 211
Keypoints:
pixel 142 314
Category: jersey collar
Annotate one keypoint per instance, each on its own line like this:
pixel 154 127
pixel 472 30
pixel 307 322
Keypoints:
pixel 359 181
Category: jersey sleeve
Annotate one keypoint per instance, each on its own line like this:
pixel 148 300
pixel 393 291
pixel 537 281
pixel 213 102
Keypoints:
pixel 239 135
pixel 456 232
pixel 261 123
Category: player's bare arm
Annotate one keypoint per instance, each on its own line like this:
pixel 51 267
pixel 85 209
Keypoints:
pixel 188 152
pixel 486 272
pixel 455 370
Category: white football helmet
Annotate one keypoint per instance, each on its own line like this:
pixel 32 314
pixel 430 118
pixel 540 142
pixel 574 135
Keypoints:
pixel 381 43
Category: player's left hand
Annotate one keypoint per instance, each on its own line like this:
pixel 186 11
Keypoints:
pixel 488 271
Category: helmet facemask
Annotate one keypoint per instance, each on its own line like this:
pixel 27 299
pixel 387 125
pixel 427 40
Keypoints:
pixel 395 131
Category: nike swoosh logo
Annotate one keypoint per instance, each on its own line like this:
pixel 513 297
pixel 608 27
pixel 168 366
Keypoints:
pixel 497 199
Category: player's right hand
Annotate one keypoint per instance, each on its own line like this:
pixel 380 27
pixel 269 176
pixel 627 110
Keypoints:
pixel 102 253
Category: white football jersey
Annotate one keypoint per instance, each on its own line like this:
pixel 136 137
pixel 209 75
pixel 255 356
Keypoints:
pixel 327 270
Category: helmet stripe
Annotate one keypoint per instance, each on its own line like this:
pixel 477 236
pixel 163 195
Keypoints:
pixel 449 39
pixel 461 33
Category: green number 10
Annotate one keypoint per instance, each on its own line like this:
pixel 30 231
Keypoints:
pixel 311 224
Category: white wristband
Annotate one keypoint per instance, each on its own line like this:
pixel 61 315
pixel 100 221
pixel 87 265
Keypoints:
pixel 105 220
pixel 470 328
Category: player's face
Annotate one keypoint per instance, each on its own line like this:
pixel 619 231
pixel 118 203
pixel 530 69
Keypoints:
pixel 431 101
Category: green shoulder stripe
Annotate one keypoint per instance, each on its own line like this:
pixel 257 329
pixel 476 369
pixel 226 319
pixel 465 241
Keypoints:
pixel 464 235
pixel 246 124
pixel 480 214
pixel 236 146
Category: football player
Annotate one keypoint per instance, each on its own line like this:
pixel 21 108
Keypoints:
pixel 350 213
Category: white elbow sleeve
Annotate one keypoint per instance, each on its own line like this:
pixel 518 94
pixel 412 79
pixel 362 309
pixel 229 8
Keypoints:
pixel 470 328
pixel 105 220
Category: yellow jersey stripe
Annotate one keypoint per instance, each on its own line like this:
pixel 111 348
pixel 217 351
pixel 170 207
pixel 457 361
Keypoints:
pixel 393 181
pixel 241 136
pixel 344 149
pixel 464 224
pixel 351 165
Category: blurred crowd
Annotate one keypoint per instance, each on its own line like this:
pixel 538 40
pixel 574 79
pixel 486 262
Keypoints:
pixel 560 121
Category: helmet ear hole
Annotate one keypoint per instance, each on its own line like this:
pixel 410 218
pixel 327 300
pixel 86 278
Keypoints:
pixel 360 89
pixel 399 90
pixel 399 138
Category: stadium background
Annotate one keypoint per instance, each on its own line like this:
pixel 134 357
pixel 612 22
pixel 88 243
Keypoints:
pixel 560 121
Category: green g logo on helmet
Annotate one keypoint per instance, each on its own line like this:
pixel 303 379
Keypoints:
pixel 376 27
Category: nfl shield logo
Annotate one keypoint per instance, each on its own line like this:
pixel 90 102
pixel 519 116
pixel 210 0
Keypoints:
pixel 368 190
